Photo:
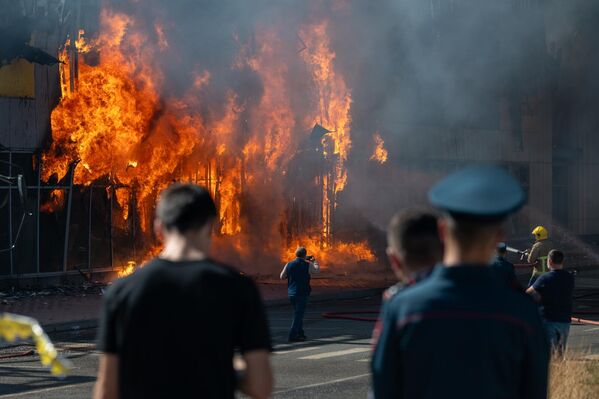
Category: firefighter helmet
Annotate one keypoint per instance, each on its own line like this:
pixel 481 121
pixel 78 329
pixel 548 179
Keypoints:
pixel 540 233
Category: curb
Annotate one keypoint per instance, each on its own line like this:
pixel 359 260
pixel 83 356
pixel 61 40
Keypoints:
pixel 70 326
pixel 76 325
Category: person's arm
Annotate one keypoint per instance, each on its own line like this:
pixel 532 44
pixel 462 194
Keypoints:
pixel 257 381
pixel 534 294
pixel 107 382
pixel 284 272
pixel 314 267
pixel 253 340
pixel 537 290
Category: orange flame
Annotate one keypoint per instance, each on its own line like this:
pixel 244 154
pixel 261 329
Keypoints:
pixel 380 152
pixel 335 255
pixel 55 202
pixel 126 270
pixel 115 123
pixel 334 103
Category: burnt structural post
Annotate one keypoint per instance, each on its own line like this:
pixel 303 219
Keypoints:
pixel 68 221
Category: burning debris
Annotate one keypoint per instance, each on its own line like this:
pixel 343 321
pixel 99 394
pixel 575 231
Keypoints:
pixel 117 122
pixel 380 152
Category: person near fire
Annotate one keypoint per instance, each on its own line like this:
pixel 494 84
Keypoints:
pixel 553 290
pixel 413 250
pixel 183 296
pixel 298 272
pixel 504 268
pixel 460 333
pixel 537 254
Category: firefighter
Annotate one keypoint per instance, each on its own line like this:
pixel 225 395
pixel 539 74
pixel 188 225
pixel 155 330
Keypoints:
pixel 537 254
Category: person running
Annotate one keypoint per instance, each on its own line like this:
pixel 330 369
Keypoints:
pixel 298 272
pixel 460 333
pixel 171 328
pixel 554 291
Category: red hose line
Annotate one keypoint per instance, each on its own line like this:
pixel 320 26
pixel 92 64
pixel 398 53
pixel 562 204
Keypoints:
pixel 585 322
pixel 349 316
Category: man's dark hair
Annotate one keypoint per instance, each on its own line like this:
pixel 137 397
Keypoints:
pixel 185 207
pixel 556 256
pixel 415 235
pixel 301 252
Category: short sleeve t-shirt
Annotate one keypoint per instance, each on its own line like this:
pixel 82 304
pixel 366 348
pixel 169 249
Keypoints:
pixel 556 289
pixel 175 327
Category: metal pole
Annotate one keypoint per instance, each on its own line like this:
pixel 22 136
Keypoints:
pixel 67 227
pixel 37 235
pixel 112 194
pixel 89 231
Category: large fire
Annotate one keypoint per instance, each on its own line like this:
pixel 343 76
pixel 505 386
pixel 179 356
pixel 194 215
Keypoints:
pixel 114 122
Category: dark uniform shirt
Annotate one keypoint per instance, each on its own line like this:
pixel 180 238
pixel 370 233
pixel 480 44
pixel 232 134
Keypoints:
pixel 556 289
pixel 460 334
pixel 505 272
pixel 175 326
pixel 390 293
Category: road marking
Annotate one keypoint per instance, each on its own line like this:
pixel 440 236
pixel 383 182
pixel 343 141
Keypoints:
pixel 592 329
pixel 363 360
pixel 309 348
pixel 15 395
pixel 320 384
pixel 333 339
pixel 335 354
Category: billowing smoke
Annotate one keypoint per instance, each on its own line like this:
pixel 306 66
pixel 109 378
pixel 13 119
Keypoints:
pixel 442 83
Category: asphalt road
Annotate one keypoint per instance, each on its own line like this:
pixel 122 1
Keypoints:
pixel 332 364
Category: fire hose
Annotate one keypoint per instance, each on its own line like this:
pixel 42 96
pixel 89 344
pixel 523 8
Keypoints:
pixel 353 317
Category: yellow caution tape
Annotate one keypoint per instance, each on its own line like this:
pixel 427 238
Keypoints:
pixel 14 328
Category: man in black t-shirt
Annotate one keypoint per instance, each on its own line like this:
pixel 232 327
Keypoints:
pixel 554 290
pixel 171 328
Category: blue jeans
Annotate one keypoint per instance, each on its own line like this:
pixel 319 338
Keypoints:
pixel 299 308
pixel 557 334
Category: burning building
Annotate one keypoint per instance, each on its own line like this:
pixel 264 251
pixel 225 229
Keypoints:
pixel 309 122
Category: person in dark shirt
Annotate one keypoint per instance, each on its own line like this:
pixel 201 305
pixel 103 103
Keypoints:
pixel 505 269
pixel 298 272
pixel 171 329
pixel 460 333
pixel 554 291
